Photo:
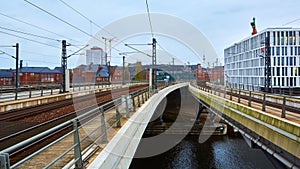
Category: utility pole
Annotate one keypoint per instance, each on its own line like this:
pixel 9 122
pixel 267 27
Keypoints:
pixel 64 64
pixel 154 79
pixel 123 80
pixel 17 70
pixel 173 73
pixel 108 72
pixel 267 64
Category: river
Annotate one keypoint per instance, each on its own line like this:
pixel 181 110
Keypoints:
pixel 219 152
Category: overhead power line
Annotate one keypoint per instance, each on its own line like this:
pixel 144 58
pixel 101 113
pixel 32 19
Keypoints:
pixel 73 26
pixel 30 34
pixel 2 52
pixel 291 22
pixel 35 41
pixel 148 11
pixel 85 17
pixel 37 27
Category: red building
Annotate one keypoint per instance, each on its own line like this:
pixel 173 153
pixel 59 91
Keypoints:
pixel 38 75
pixel 201 75
pixel 6 77
pixel 92 73
pixel 216 74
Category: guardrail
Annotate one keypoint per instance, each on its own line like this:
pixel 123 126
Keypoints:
pixel 50 90
pixel 99 118
pixel 282 102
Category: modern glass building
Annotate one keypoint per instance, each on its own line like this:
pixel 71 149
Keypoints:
pixel 245 61
pixel 95 56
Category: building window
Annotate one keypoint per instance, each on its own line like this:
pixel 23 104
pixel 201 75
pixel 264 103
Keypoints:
pixel 278 71
pixel 282 61
pixel 278 81
pixel 285 51
pixel 282 38
pixel 274 81
pixel 278 51
pixel 291 61
pixel 274 38
pixel 278 38
pixel 292 51
pixel 283 81
pixel 299 38
pixel 285 71
pixel 282 71
pixel 292 72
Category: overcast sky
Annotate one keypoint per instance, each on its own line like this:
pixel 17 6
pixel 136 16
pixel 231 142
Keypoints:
pixel 223 22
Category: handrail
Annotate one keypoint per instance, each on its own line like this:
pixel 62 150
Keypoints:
pixel 98 112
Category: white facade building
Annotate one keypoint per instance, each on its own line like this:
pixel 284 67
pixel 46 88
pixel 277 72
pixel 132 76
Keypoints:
pixel 96 56
pixel 245 60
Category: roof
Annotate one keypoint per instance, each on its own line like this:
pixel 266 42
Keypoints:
pixel 95 68
pixel 39 70
pixel 6 73
pixel 103 72
pixel 263 31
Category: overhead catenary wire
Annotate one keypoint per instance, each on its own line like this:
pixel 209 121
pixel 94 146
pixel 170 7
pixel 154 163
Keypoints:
pixel 32 40
pixel 295 20
pixel 148 12
pixel 85 17
pixel 35 41
pixel 37 27
pixel 2 52
pixel 71 25
pixel 30 34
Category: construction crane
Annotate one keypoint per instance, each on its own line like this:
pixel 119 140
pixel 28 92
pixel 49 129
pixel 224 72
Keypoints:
pixel 109 40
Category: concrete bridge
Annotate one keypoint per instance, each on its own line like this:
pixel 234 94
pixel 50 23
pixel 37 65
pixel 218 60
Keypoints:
pixel 277 136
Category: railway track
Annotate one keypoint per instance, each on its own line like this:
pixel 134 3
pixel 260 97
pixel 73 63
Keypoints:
pixel 12 124
pixel 24 134
pixel 257 100
pixel 18 114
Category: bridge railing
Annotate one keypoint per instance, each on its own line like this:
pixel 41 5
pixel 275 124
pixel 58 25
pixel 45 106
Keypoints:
pixel 36 91
pixel 86 132
pixel 282 102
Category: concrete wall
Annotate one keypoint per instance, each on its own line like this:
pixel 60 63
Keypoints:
pixel 283 133
pixel 121 149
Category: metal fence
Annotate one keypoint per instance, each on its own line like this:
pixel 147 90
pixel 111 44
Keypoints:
pixel 282 102
pixel 36 91
pixel 99 122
